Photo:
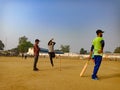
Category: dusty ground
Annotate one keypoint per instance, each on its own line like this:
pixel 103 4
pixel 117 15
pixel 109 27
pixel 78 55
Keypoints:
pixel 17 74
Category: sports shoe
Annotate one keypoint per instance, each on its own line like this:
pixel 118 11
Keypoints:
pixel 35 69
pixel 52 65
pixel 95 78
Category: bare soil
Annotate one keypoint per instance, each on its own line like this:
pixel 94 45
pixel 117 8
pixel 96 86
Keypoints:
pixel 17 74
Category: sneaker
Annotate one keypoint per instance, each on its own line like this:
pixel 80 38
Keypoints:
pixel 52 65
pixel 35 69
pixel 95 78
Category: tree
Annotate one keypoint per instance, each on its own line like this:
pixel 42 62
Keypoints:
pixel 65 48
pixel 24 44
pixel 1 45
pixel 82 51
pixel 22 40
pixel 117 50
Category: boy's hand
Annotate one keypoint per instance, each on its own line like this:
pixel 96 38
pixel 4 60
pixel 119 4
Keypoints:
pixel 89 57
pixel 100 51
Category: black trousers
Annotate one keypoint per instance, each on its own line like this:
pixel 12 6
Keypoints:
pixel 35 62
pixel 51 57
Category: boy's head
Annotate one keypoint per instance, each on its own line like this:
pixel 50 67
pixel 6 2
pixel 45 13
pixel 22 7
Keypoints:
pixel 37 41
pixel 99 32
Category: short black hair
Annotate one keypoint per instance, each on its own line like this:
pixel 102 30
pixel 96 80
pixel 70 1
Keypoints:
pixel 37 40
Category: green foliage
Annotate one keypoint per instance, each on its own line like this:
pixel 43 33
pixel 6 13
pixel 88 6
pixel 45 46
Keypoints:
pixel 24 44
pixel 82 51
pixel 22 40
pixel 117 50
pixel 65 48
pixel 1 45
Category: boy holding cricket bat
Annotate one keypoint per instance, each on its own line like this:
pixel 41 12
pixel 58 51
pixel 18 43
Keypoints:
pixel 97 45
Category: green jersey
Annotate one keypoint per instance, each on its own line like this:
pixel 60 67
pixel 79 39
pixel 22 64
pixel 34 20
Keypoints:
pixel 97 43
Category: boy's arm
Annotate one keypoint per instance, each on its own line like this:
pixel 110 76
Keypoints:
pixel 102 46
pixel 91 51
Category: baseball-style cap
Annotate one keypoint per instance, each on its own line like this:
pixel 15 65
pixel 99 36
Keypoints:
pixel 99 31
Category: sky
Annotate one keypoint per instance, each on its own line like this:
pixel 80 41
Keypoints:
pixel 69 22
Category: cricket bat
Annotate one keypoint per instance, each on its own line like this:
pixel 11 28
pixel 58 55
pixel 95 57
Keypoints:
pixel 84 69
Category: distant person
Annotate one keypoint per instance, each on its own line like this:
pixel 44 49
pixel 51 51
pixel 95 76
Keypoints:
pixel 22 55
pixel 51 50
pixel 36 54
pixel 25 55
pixel 97 45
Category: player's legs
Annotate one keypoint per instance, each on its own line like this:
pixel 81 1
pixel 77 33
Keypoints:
pixel 97 60
pixel 35 63
pixel 51 59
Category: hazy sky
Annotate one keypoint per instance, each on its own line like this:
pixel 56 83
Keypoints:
pixel 69 22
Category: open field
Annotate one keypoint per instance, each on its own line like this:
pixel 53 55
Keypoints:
pixel 17 74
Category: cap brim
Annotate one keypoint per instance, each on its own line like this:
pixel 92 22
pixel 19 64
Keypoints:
pixel 102 31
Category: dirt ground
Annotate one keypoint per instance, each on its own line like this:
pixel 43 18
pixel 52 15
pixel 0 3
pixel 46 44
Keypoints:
pixel 17 74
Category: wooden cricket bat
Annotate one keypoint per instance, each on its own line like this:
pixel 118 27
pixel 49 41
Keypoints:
pixel 84 69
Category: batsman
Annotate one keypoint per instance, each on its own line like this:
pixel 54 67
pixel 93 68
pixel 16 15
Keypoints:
pixel 98 44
